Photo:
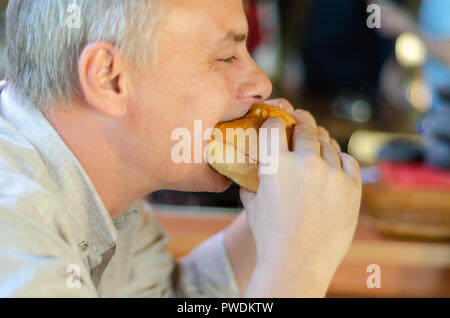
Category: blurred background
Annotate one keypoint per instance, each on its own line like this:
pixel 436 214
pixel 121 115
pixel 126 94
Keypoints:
pixel 378 78
pixel 365 85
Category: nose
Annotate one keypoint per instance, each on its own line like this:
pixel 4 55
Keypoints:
pixel 258 87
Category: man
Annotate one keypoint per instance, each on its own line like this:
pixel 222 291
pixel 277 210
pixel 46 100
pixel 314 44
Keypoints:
pixel 86 120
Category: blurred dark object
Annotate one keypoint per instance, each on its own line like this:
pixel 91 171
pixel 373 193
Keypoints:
pixel 438 153
pixel 437 124
pixel 444 93
pixel 437 137
pixel 339 66
pixel 254 36
pixel 356 108
pixel 340 52
pixel 402 150
pixel 435 150
pixel 229 198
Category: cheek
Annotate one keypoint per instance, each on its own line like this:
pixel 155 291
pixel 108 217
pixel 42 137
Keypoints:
pixel 176 101
pixel 206 98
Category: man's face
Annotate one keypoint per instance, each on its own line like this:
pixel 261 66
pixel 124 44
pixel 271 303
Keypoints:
pixel 204 72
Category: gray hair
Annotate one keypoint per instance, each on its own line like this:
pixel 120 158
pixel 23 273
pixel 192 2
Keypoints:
pixel 43 48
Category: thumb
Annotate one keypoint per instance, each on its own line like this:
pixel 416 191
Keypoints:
pixel 247 198
pixel 272 141
pixel 279 124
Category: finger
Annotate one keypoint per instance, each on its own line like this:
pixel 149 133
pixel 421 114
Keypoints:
pixel 351 166
pixel 330 155
pixel 305 139
pixel 275 123
pixel 305 118
pixel 282 103
pixel 323 135
pixel 335 145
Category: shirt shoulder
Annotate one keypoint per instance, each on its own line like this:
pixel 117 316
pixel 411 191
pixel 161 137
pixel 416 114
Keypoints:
pixel 17 154
pixel 25 184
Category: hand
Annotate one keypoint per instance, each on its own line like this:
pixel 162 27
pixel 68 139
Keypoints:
pixel 322 133
pixel 303 217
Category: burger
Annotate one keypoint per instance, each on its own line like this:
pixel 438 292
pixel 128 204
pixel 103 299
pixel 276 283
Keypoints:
pixel 240 138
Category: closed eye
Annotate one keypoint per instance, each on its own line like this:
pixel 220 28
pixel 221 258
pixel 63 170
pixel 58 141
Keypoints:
pixel 228 60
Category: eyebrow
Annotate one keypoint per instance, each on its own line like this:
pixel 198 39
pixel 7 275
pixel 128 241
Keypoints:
pixel 234 37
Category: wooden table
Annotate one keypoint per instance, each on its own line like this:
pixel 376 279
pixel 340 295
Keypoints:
pixel 408 268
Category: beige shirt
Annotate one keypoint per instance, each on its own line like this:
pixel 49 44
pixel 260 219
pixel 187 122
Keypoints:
pixel 58 240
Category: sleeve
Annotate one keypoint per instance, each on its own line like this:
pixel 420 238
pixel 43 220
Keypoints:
pixel 205 272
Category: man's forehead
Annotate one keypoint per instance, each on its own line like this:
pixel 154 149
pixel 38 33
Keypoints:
pixel 223 20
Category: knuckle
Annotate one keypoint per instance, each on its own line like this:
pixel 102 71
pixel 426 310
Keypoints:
pixel 322 130
pixel 335 144
pixel 310 159
pixel 326 147
pixel 305 116
pixel 280 102
pixel 324 144
pixel 347 157
pixel 274 122
pixel 302 112
pixel 305 130
pixel 273 102
pixel 283 101
pixel 352 161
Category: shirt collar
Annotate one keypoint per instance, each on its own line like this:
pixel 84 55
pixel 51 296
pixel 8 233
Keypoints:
pixel 94 229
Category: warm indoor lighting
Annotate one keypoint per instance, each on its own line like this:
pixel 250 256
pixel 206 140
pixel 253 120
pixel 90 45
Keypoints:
pixel 418 94
pixel 410 50
pixel 364 145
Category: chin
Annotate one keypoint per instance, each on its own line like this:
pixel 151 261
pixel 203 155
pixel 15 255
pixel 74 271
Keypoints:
pixel 221 185
pixel 212 181
pixel 206 179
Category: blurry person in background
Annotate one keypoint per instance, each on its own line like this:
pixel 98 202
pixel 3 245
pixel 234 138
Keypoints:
pixel 432 31
pixel 435 32
pixel 341 54
pixel 339 60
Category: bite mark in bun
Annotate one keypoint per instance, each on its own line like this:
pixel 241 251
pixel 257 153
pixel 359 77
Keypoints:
pixel 243 169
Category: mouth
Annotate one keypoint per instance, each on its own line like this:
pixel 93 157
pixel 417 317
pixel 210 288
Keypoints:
pixel 238 114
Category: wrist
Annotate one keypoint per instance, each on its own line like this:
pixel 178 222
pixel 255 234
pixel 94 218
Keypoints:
pixel 241 250
pixel 282 280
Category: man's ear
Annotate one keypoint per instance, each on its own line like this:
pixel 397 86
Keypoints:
pixel 101 73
